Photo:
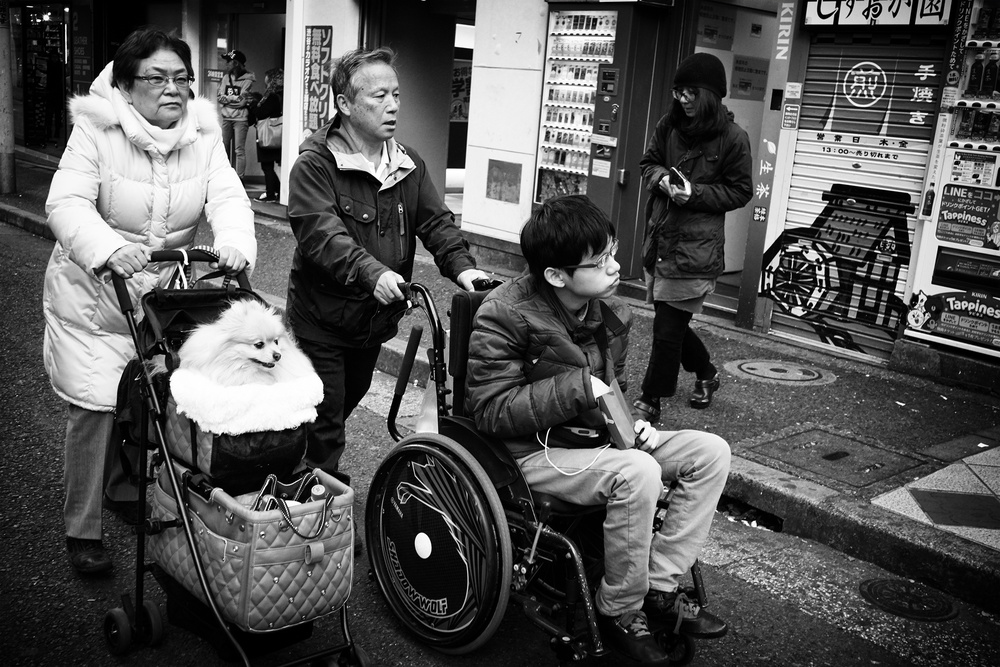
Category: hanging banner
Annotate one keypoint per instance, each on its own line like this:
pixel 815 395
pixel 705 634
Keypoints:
pixel 317 101
pixel 877 13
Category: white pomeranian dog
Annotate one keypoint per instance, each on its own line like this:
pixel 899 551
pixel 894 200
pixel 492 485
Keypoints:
pixel 247 344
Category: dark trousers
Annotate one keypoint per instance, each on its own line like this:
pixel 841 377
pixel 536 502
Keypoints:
pixel 346 373
pixel 674 345
pixel 272 186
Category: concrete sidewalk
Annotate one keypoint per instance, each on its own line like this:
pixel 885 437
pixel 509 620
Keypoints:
pixel 898 470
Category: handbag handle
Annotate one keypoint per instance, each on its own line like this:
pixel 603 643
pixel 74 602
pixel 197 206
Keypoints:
pixel 286 514
pixel 269 492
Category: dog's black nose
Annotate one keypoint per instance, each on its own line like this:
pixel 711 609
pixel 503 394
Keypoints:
pixel 277 356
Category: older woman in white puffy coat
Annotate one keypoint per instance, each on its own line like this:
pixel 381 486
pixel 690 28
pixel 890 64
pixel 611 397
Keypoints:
pixel 143 164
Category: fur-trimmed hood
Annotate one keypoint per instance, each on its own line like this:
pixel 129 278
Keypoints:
pixel 105 108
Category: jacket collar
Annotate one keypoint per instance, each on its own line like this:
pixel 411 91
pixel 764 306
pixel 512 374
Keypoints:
pixel 331 142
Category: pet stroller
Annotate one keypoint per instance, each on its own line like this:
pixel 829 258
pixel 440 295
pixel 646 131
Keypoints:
pixel 239 537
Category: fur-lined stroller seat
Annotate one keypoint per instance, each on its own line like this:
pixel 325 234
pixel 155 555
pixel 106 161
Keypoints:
pixel 238 435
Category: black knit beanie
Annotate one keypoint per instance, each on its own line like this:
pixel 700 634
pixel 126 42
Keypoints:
pixel 702 70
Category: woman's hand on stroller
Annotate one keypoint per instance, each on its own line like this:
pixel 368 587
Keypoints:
pixel 128 260
pixel 231 260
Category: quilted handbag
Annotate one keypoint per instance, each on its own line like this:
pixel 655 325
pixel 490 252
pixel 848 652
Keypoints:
pixel 267 570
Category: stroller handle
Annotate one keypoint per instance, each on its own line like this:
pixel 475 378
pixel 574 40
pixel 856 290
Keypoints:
pixel 193 255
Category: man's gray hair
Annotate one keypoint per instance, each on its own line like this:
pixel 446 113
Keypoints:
pixel 341 80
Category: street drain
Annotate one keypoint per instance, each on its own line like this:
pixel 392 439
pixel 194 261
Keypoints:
pixel 779 372
pixel 908 599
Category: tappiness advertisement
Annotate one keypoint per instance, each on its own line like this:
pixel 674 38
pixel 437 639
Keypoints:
pixel 969 216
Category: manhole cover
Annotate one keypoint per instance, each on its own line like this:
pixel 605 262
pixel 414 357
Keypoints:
pixel 779 372
pixel 908 599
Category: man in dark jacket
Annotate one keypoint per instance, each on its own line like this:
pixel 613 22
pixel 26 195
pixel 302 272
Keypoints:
pixel 544 348
pixel 357 201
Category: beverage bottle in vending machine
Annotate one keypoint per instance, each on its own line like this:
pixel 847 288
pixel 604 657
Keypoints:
pixel 975 76
pixel 990 72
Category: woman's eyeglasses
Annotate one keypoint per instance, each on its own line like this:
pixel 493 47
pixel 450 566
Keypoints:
pixel 681 93
pixel 601 262
pixel 159 81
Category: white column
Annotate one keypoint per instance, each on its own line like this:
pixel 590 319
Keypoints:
pixel 344 17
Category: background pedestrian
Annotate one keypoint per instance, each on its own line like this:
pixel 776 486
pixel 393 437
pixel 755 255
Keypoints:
pixel 234 98
pixel 269 106
pixel 684 248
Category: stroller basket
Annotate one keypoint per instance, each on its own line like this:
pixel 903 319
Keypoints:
pixel 268 570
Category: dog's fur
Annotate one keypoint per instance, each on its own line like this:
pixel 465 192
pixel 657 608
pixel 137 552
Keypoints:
pixel 247 344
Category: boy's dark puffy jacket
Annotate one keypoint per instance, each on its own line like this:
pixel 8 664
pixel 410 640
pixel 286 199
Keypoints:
pixel 350 229
pixel 690 238
pixel 530 363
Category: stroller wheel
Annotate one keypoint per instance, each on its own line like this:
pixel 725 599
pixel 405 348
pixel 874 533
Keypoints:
pixel 117 631
pixel 150 622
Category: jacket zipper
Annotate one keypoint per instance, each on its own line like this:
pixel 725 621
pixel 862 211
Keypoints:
pixel 402 230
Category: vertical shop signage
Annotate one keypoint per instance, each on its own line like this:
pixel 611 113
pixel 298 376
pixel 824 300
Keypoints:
pixel 461 91
pixel 317 101
pixel 82 34
pixel 878 13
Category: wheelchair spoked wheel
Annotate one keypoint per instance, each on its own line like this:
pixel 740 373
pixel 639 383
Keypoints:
pixel 439 544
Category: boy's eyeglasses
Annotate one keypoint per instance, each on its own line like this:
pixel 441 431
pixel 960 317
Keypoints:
pixel 158 81
pixel 601 262
pixel 681 93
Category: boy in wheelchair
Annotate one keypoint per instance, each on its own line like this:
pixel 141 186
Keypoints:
pixel 544 347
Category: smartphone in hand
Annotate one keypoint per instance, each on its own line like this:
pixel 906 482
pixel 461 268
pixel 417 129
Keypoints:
pixel 677 179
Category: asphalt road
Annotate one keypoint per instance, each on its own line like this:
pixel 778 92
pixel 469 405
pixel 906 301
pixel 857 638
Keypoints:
pixel 789 601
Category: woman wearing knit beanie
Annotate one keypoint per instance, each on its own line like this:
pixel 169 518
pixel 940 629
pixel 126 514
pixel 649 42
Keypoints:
pixel 684 248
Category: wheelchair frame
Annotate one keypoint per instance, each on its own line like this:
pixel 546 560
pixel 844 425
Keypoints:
pixel 545 554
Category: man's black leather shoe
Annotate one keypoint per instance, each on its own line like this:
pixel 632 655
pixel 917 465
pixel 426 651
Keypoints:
pixel 87 557
pixel 629 634
pixel 676 611
pixel 703 390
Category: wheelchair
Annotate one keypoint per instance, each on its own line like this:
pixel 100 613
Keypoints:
pixel 454 533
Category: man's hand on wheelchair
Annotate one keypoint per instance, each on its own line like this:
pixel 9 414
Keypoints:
pixel 468 277
pixel 647 438
pixel 387 289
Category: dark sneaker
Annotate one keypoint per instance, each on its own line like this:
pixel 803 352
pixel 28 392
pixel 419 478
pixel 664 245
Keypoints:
pixel 677 612
pixel 703 391
pixel 629 634
pixel 87 557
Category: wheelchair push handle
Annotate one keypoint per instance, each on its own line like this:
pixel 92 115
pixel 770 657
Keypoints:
pixel 183 256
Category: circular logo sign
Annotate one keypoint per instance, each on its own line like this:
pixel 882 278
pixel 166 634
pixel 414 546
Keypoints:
pixel 865 84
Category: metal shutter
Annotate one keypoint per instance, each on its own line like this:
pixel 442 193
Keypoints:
pixel 837 273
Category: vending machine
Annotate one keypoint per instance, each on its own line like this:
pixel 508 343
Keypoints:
pixel 956 272
pixel 603 77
